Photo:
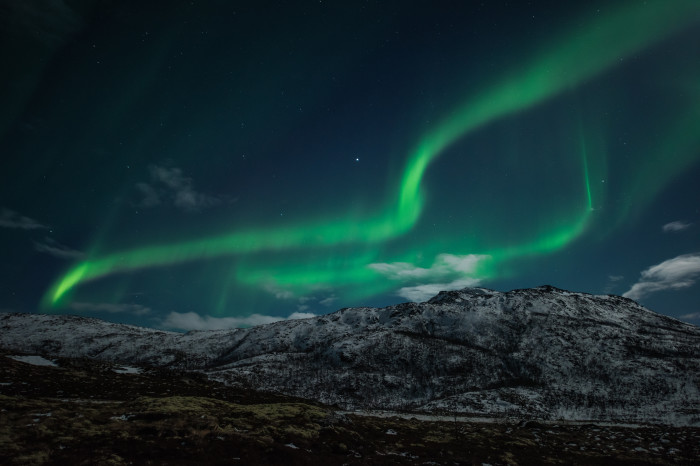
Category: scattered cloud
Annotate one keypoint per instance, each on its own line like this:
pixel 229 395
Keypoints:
pixel 193 321
pixel 56 249
pixel 329 300
pixel 277 291
pixel 304 302
pixel 419 293
pixel 448 272
pixel 11 219
pixel 443 266
pixel 693 316
pixel 675 226
pixel 674 274
pixel 613 281
pixel 169 184
pixel 112 308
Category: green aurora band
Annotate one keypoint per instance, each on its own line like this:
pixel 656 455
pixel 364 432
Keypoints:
pixel 595 47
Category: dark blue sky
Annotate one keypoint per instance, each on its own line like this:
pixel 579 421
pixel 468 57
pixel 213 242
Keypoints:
pixel 206 164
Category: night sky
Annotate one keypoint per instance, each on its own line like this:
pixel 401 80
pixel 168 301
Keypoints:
pixel 205 164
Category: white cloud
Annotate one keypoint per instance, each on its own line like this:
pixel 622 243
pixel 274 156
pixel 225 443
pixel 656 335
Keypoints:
pixel 613 281
pixel 329 300
pixel 56 249
pixel 419 293
pixel 277 291
pixel 673 274
pixel 448 272
pixel 11 219
pixel 169 183
pixel 399 270
pixel 113 308
pixel 691 316
pixel 443 266
pixel 193 321
pixel 675 226
pixel 304 303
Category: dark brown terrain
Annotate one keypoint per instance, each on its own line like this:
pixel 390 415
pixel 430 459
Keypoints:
pixel 83 412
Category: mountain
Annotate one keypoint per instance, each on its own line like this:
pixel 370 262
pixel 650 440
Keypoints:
pixel 540 353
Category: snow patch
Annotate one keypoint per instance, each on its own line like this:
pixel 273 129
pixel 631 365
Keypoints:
pixel 128 370
pixel 34 360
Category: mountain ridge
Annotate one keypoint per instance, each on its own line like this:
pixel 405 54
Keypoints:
pixel 539 353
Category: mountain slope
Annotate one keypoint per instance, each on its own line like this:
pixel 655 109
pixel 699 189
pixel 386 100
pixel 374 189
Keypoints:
pixel 542 352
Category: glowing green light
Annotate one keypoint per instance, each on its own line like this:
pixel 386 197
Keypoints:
pixel 70 280
pixel 595 48
pixel 591 50
pixel 586 176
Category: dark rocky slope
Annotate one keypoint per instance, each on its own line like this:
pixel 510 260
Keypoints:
pixel 538 353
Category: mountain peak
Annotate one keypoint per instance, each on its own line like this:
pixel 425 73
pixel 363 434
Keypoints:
pixel 541 353
pixel 550 289
pixel 457 296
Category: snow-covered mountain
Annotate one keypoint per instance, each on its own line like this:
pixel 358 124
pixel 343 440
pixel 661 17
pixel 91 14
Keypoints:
pixel 536 353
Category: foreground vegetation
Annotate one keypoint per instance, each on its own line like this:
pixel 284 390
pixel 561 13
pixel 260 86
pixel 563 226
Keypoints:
pixel 85 412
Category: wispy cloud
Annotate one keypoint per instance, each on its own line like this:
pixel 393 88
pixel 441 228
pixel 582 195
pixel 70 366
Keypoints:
pixel 112 308
pixel 193 321
pixel 169 184
pixel 329 300
pixel 693 316
pixel 443 266
pixel 674 274
pixel 304 303
pixel 675 226
pixel 56 249
pixel 277 291
pixel 613 281
pixel 448 272
pixel 11 219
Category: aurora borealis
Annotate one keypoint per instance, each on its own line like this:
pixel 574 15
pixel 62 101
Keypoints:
pixel 228 161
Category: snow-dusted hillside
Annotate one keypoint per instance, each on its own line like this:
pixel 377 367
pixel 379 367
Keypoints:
pixel 537 353
pixel 77 337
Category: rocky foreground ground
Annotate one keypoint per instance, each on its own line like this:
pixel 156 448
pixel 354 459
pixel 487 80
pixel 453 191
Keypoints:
pixel 87 412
